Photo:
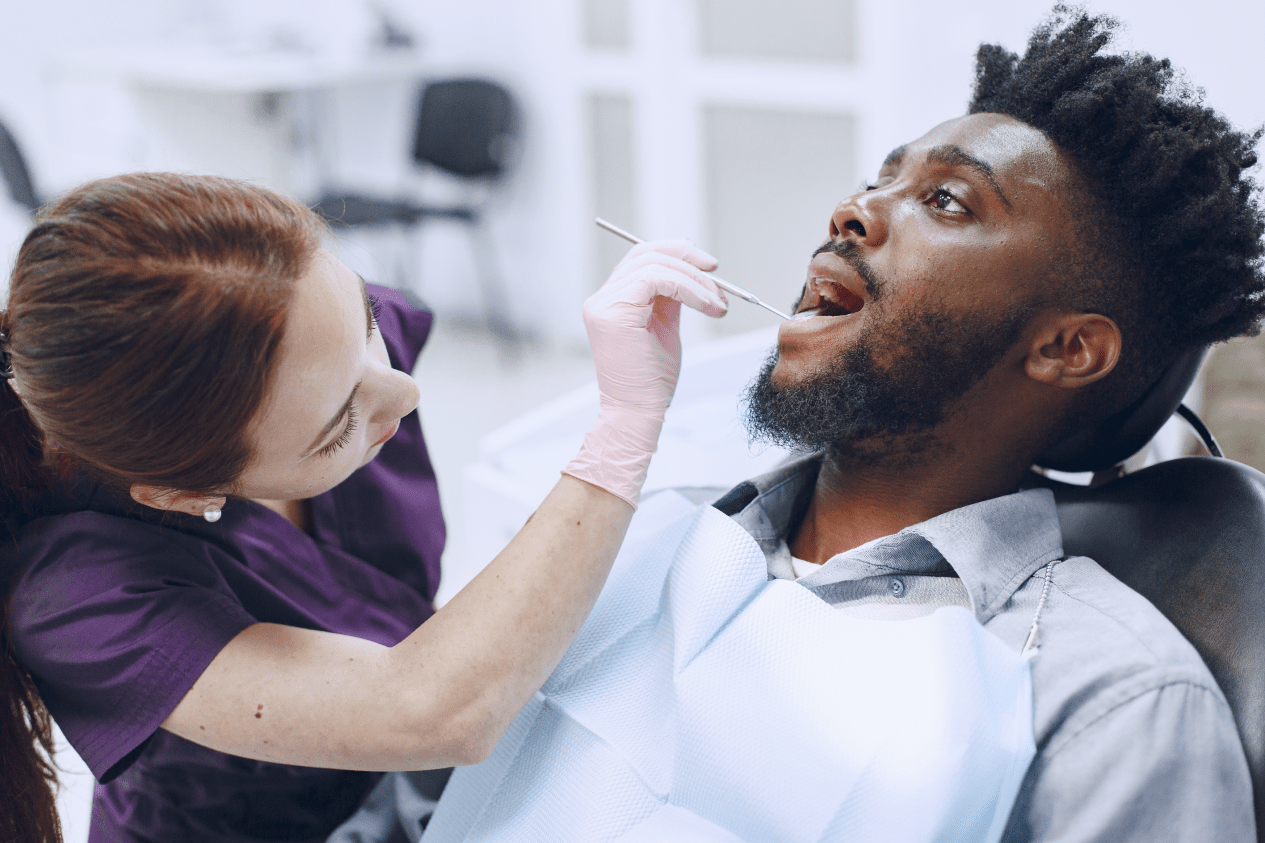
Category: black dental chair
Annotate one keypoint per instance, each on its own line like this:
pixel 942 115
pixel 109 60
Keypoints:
pixel 16 174
pixel 1187 534
pixel 466 128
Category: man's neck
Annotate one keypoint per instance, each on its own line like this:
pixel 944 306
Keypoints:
pixel 855 503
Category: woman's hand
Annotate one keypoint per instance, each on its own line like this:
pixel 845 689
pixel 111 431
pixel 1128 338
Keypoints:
pixel 633 327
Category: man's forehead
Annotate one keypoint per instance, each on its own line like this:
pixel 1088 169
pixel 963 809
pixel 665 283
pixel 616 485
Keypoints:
pixel 1011 149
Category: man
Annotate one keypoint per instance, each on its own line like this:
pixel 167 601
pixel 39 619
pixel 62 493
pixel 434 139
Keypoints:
pixel 1014 276
pixel 1011 277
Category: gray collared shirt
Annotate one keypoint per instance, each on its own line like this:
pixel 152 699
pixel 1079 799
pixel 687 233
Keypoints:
pixel 1135 741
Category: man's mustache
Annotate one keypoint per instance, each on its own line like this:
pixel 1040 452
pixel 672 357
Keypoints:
pixel 851 254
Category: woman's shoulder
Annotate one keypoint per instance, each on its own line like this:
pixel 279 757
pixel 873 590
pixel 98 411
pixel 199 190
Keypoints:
pixel 115 618
pixel 72 560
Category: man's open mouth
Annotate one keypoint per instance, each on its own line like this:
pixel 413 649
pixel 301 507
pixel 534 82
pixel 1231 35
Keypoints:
pixel 832 299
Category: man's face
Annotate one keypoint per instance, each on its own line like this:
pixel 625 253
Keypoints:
pixel 928 279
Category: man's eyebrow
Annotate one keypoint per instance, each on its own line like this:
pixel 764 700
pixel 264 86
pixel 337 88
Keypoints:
pixel 895 156
pixel 955 156
pixel 333 423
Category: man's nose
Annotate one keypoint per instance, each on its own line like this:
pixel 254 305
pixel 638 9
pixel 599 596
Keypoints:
pixel 859 217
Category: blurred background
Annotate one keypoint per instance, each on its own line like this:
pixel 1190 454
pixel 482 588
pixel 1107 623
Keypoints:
pixel 737 123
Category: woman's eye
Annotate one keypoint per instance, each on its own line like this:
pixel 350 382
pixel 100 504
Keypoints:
pixel 345 436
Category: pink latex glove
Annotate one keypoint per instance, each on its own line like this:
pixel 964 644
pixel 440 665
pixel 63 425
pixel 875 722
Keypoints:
pixel 632 323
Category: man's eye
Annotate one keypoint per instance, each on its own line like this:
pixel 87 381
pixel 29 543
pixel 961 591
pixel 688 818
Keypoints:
pixel 943 200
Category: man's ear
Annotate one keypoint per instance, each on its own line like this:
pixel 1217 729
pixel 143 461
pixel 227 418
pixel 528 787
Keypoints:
pixel 1073 350
pixel 173 500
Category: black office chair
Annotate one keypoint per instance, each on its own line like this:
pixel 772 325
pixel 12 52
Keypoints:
pixel 16 174
pixel 467 128
pixel 1187 534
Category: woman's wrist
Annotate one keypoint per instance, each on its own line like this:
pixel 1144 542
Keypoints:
pixel 616 452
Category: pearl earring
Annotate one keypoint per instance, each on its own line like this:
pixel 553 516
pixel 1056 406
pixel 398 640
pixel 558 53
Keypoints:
pixel 211 514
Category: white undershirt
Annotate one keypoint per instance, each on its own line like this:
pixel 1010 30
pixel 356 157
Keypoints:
pixel 803 567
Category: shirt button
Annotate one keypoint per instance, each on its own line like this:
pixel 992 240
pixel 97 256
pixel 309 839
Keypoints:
pixel 896 587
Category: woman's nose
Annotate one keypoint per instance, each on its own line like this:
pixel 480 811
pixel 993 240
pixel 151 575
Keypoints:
pixel 399 395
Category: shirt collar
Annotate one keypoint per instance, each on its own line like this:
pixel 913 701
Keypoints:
pixel 993 545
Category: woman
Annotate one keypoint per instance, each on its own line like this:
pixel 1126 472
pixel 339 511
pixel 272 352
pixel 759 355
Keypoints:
pixel 222 532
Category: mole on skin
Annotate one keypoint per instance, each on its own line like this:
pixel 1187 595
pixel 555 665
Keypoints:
pixel 259 711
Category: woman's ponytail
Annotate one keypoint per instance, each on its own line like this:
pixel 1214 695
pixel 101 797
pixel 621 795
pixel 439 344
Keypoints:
pixel 22 477
pixel 28 807
pixel 28 811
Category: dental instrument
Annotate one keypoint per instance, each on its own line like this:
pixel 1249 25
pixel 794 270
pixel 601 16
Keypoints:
pixel 720 282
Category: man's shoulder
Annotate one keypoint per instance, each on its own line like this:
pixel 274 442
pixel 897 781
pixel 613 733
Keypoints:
pixel 1134 738
pixel 1104 645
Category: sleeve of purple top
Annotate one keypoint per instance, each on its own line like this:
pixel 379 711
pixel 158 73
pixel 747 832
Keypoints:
pixel 116 622
pixel 404 325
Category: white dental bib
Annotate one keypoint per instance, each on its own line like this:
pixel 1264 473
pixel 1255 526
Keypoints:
pixel 702 702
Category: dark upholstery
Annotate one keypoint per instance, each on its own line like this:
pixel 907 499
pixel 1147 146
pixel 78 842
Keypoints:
pixel 16 174
pixel 1189 535
pixel 1115 439
pixel 466 128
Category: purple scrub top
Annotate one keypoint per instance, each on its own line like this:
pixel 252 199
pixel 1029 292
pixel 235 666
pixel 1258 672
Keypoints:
pixel 120 608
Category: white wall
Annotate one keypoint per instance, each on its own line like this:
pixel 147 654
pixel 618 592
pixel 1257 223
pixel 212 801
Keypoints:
pixel 77 119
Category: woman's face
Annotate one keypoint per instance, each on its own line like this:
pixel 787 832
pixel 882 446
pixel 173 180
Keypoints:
pixel 334 398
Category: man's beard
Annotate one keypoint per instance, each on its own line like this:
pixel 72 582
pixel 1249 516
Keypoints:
pixel 861 411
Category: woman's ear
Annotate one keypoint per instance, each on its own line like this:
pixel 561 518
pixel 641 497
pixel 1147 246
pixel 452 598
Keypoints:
pixel 173 500
pixel 1073 350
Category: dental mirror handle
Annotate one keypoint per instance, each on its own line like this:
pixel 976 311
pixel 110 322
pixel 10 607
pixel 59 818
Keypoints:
pixel 720 282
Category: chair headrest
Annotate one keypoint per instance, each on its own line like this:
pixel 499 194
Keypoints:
pixel 1119 437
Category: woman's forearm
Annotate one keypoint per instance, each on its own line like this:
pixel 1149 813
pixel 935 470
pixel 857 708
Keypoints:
pixel 488 650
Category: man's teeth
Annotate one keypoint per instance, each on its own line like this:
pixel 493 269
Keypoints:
pixel 836 299
pixel 806 314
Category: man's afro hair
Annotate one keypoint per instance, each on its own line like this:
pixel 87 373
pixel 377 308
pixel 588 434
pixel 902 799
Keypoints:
pixel 1173 224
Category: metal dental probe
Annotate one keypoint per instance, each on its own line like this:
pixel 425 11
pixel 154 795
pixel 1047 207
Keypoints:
pixel 720 282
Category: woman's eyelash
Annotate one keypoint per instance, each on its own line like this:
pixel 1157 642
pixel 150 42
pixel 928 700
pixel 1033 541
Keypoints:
pixel 375 308
pixel 345 436
pixel 867 185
